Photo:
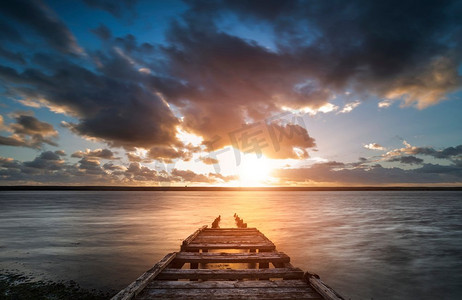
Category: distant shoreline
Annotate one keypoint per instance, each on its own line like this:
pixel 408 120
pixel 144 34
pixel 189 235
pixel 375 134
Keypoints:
pixel 200 188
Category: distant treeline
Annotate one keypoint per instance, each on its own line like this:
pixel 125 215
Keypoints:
pixel 197 188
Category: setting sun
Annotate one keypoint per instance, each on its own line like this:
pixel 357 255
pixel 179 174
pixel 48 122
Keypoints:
pixel 254 171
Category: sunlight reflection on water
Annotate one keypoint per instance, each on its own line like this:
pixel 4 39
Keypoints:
pixel 381 245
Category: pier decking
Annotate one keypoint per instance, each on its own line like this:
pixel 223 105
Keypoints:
pixel 201 270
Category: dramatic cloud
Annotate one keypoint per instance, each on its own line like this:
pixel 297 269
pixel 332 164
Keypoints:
pixel 116 8
pixel 98 153
pixel 28 131
pixel 168 154
pixel 207 79
pixel 122 113
pixel 12 56
pixel 190 176
pixel 411 160
pixel 447 153
pixel 102 32
pixel 50 168
pixel 38 17
pixel 47 160
pixel 387 48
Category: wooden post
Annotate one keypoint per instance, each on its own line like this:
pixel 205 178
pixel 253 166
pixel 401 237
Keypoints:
pixel 263 265
pixel 194 265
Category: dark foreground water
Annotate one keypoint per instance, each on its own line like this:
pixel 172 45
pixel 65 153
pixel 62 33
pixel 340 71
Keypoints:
pixel 380 244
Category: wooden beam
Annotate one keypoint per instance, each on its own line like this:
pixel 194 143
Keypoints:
pixel 233 293
pixel 235 240
pixel 226 233
pixel 139 284
pixel 211 257
pixel 207 274
pixel 263 246
pixel 202 237
pixel 213 284
pixel 233 229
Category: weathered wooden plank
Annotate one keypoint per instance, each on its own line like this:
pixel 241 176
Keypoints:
pixel 228 237
pixel 214 284
pixel 207 274
pixel 193 235
pixel 232 229
pixel 139 284
pixel 236 240
pixel 326 291
pixel 273 257
pixel 230 233
pixel 233 293
pixel 261 246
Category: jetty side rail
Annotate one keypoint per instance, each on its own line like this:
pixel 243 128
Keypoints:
pixel 190 238
pixel 139 284
pixel 131 291
pixel 322 288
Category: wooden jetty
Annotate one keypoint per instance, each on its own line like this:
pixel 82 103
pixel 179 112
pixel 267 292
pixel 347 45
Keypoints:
pixel 227 263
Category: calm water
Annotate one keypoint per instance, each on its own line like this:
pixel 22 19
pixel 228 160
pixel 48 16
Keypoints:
pixel 380 245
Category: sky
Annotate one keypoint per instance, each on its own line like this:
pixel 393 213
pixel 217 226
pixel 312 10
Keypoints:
pixel 231 93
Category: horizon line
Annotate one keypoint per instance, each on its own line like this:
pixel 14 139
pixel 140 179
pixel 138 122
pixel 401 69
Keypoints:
pixel 223 188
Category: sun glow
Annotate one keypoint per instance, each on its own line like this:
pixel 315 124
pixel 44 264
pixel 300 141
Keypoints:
pixel 254 171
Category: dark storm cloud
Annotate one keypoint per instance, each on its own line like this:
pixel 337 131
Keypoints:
pixel 28 131
pixel 37 16
pixel 8 32
pixel 446 153
pixel 102 32
pixel 388 48
pixel 123 113
pixel 125 92
pixel 449 153
pixel 116 8
pixel 46 160
pixel 411 160
pixel 15 57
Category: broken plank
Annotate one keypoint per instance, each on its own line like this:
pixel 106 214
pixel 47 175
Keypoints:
pixel 273 257
pixel 139 284
pixel 207 274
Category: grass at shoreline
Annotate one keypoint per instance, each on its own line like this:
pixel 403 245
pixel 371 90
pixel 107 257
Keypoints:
pixel 15 286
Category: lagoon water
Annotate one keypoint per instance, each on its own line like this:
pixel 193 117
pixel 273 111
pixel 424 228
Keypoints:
pixel 365 244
